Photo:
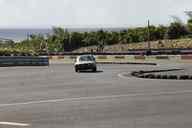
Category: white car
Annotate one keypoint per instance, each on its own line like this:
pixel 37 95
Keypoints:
pixel 85 62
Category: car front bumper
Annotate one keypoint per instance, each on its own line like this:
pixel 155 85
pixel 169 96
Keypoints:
pixel 85 66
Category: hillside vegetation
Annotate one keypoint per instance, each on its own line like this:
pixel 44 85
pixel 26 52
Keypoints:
pixel 178 43
pixel 175 35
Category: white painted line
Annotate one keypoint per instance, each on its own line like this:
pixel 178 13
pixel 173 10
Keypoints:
pixel 121 75
pixel 96 98
pixel 14 124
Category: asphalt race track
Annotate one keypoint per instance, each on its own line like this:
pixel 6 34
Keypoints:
pixel 57 97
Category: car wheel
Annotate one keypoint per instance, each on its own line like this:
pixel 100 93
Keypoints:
pixel 94 69
pixel 76 70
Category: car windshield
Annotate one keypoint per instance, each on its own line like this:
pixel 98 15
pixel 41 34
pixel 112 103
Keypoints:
pixel 86 58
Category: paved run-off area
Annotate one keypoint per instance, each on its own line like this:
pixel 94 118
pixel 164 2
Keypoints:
pixel 57 97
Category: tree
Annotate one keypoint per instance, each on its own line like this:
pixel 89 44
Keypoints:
pixel 176 30
pixel 189 25
pixel 61 38
pixel 134 35
pixel 162 31
pixel 76 40
pixel 90 39
pixel 101 39
pixel 58 38
pixel 189 22
pixel 112 38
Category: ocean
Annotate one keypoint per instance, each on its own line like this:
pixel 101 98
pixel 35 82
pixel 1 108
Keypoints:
pixel 22 34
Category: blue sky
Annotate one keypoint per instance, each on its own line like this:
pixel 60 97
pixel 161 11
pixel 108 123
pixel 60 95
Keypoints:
pixel 89 13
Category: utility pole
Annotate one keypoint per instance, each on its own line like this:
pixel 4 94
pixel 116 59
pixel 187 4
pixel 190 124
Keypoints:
pixel 149 38
pixel 149 45
pixel 28 36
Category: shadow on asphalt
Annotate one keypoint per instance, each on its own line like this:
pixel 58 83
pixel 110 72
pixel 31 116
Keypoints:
pixel 99 71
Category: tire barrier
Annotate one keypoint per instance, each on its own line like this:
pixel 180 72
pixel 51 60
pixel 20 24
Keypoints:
pixel 150 75
pixel 184 77
pixel 164 77
pixel 173 77
pixel 124 58
pixel 24 61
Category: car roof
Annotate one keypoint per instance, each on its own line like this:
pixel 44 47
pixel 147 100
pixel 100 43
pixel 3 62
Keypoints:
pixel 85 55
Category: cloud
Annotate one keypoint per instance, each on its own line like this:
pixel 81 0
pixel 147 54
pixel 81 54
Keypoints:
pixel 47 13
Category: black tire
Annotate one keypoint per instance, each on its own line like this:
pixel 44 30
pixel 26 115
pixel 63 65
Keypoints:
pixel 94 69
pixel 76 70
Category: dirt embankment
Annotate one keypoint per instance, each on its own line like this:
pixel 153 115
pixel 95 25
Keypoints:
pixel 180 43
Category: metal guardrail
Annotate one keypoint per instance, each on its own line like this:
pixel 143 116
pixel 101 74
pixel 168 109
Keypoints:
pixel 24 61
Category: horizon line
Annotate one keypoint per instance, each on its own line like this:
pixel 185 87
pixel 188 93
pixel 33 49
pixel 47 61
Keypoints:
pixel 82 26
